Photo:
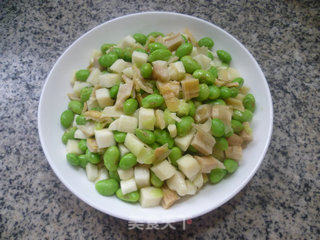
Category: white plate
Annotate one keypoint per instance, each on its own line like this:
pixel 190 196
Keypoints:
pixel 54 101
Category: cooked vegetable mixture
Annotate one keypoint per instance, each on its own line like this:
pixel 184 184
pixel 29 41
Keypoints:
pixel 155 117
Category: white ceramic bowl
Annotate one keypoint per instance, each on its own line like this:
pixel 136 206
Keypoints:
pixel 54 101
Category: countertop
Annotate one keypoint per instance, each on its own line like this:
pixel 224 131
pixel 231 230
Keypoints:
pixel 282 199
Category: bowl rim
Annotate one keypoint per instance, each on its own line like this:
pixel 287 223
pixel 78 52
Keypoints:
pixel 178 219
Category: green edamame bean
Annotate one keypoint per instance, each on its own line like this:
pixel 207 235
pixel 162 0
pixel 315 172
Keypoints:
pixel 127 54
pixel 183 109
pixel 218 102
pixel 114 175
pixel 75 106
pixel 174 155
pixel 239 80
pixel 108 59
pixel 217 174
pixel 217 127
pixel 155 181
pixel 236 126
pixel 140 38
pixel 184 49
pixel 192 109
pixel 146 70
pixel 204 76
pixel 82 144
pixel 105 47
pixel 155 145
pixel 81 120
pixel 128 161
pixel 231 165
pixel 155 46
pixel 207 42
pixel 167 117
pixel 118 51
pixel 66 118
pixel 69 134
pixel 190 64
pixel 85 93
pixel 163 137
pixel 225 92
pixel 73 159
pixel 221 143
pixel 210 55
pixel 129 197
pixel 203 92
pixel 145 136
pixel 160 54
pixel 111 158
pixel 234 92
pixel 224 56
pixel 130 106
pixel 83 160
pixel 155 34
pixel 114 91
pixel 93 158
pixel 82 75
pixel 214 72
pixel 249 102
pixel 119 137
pixel 152 101
pixel 107 187
pixel 214 92
pixel 184 126
pixel 242 116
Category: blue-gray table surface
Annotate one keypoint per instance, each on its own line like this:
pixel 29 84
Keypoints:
pixel 282 199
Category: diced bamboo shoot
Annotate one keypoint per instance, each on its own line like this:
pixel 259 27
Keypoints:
pixel 198 181
pixel 142 176
pixel 146 118
pixel 169 197
pixel 128 186
pixel 189 166
pixel 184 142
pixel 119 65
pixel 79 134
pixel 191 188
pixel 235 140
pixel 123 150
pixel 72 147
pixel 104 138
pixel 234 152
pixel 190 88
pixel 94 77
pixel 139 58
pixel 177 183
pixel 133 144
pixel 172 128
pixel 92 172
pixel 203 142
pixel 160 123
pixel 208 163
pixel 203 113
pixel 150 197
pixel 108 80
pixel 124 124
pixel 164 170
pixel 125 174
pixel 103 97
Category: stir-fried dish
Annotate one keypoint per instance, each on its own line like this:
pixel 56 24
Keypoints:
pixel 154 118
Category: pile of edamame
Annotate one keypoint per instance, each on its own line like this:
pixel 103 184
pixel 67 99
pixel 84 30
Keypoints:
pixel 155 117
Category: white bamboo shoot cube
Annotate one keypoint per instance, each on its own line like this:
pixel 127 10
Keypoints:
pixel 189 166
pixel 72 147
pixel 147 118
pixel 123 150
pixel 133 144
pixel 94 77
pixel 128 41
pixel 163 170
pixel 103 97
pixel 128 186
pixel 104 138
pixel 78 134
pixel 139 58
pixel 142 176
pixel 172 128
pixel 119 65
pixel 125 174
pixel 78 86
pixel 108 80
pixel 177 183
pixel 184 142
pixel 150 197
pixel 92 172
pixel 128 72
